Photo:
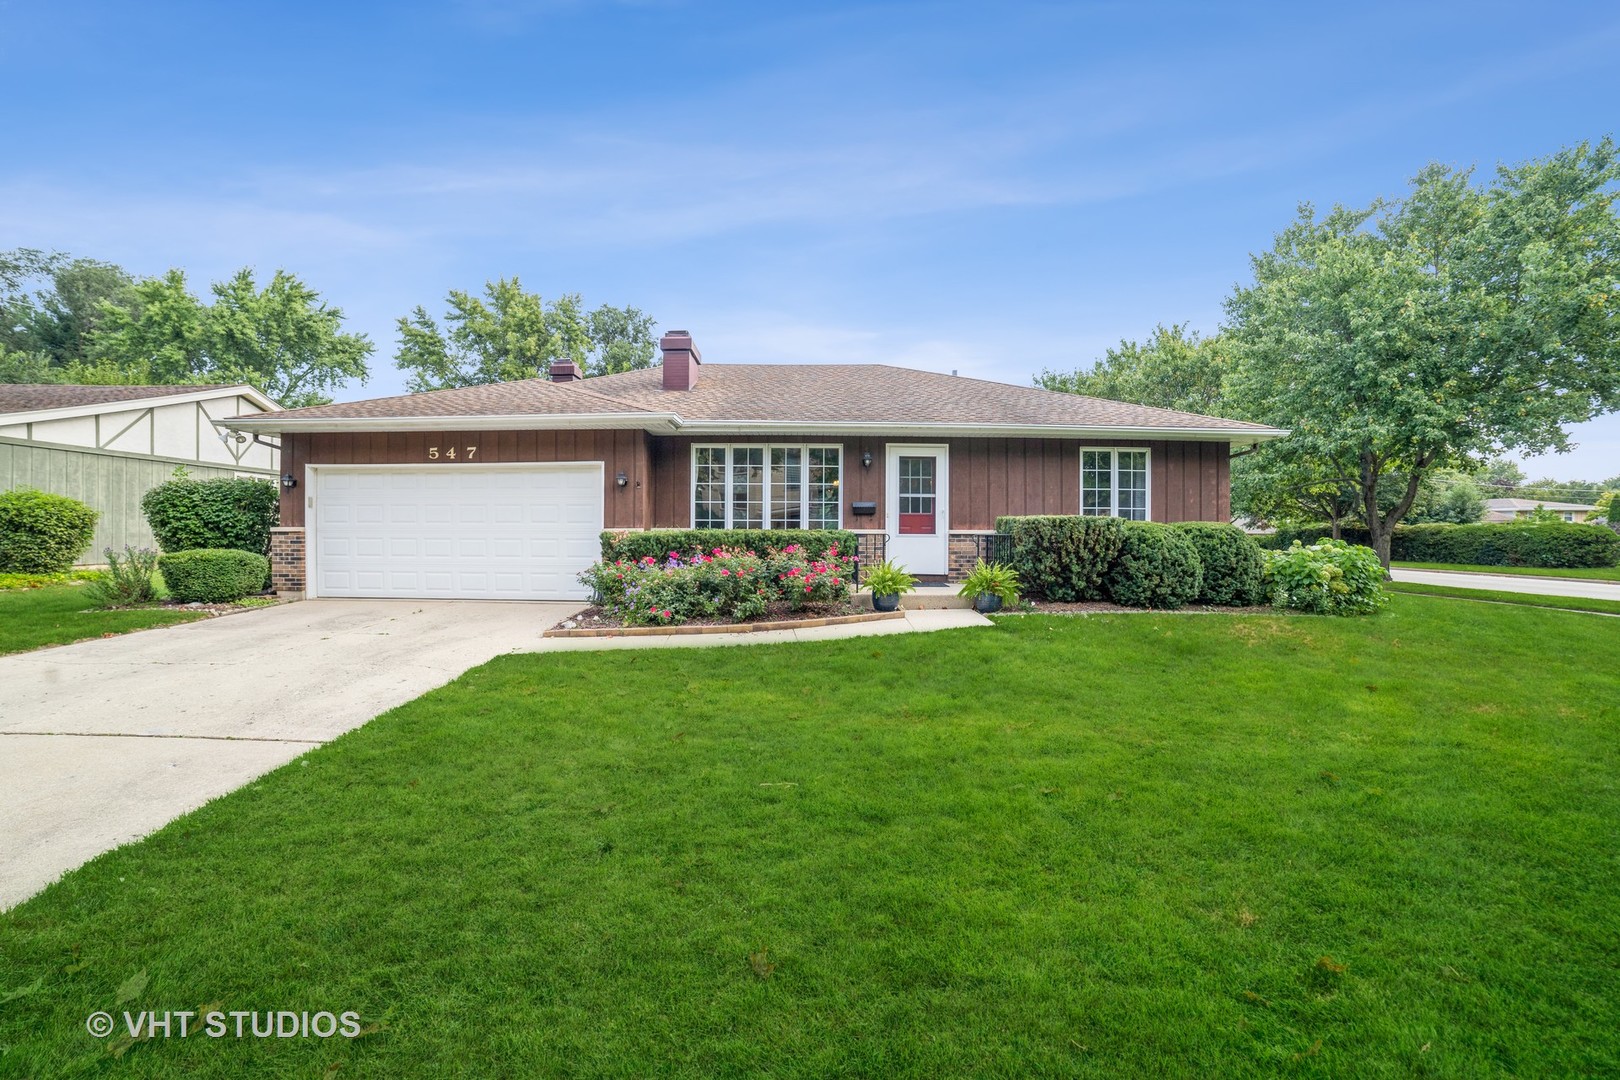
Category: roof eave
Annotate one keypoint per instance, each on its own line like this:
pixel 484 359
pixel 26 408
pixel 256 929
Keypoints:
pixel 1241 436
pixel 659 423
pixel 67 412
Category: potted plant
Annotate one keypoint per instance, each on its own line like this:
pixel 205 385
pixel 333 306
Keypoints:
pixel 887 581
pixel 989 586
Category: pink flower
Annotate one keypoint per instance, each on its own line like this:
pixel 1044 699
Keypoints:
pixel 807 588
pixel 725 573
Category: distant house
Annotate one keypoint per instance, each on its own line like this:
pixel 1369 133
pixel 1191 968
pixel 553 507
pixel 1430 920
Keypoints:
pixel 108 445
pixel 1519 509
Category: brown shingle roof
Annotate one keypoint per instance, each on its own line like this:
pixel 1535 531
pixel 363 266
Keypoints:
pixel 801 394
pixel 517 398
pixel 878 393
pixel 32 397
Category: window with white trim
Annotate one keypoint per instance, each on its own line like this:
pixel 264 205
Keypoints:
pixel 1114 483
pixel 760 486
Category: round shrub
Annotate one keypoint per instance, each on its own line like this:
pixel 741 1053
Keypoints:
pixel 41 533
pixel 213 575
pixel 1157 567
pixel 1328 578
pixel 1062 558
pixel 1234 570
pixel 228 512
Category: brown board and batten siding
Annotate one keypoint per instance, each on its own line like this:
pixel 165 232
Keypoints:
pixel 619 451
pixel 989 478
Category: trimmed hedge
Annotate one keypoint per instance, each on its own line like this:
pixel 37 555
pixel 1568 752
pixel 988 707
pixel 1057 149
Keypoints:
pixel 659 543
pixel 1157 567
pixel 41 533
pixel 1551 545
pixel 229 512
pixel 1233 567
pixel 1062 559
pixel 213 575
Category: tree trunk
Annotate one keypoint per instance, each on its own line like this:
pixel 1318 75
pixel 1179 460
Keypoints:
pixel 1381 527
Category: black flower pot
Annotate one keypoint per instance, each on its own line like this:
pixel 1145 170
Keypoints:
pixel 886 602
pixel 987 604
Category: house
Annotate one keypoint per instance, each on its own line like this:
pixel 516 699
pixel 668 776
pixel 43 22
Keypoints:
pixel 108 445
pixel 1520 509
pixel 500 491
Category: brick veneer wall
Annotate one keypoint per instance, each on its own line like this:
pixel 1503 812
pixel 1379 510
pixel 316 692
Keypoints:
pixel 287 562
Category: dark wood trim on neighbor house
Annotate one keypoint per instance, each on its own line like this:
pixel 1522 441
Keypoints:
pixel 989 478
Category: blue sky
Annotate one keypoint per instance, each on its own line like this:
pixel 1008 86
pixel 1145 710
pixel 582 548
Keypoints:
pixel 994 189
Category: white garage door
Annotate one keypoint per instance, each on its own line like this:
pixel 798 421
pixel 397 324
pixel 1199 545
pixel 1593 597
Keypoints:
pixel 457 532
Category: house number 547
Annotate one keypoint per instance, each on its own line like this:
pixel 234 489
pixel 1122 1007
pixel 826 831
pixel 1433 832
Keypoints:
pixel 450 453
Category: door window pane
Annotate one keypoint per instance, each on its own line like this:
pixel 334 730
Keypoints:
pixel 918 496
pixel 787 487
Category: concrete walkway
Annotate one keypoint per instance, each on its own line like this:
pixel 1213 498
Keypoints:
pixel 914 622
pixel 108 740
pixel 1519 583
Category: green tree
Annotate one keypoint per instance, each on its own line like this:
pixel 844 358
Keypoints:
pixel 1451 326
pixel 1173 369
pixel 282 339
pixel 1448 496
pixel 50 306
pixel 1499 478
pixel 509 333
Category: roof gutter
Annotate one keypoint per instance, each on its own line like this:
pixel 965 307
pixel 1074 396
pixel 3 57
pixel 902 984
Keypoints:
pixel 1241 436
pixel 658 423
pixel 672 424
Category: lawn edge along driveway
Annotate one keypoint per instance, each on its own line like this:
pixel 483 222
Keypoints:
pixel 103 741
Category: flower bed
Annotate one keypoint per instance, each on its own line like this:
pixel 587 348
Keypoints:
pixel 721 585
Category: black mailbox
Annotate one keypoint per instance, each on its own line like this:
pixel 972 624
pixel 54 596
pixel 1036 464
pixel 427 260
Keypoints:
pixel 863 509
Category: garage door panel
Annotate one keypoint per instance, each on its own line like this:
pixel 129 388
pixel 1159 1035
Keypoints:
pixel 454 531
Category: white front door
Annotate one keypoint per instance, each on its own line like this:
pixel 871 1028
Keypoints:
pixel 455 532
pixel 918 520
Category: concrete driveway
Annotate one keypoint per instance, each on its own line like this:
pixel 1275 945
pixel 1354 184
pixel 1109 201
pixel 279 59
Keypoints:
pixel 1520 583
pixel 105 741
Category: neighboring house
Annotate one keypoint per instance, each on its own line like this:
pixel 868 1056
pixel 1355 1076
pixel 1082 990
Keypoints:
pixel 108 445
pixel 499 491
pixel 1519 509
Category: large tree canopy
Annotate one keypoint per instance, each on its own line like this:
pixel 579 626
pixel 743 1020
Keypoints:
pixel 281 339
pixel 50 306
pixel 1457 323
pixel 509 333
pixel 1173 369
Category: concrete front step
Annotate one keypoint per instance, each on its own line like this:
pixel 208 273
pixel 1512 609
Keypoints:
pixel 926 598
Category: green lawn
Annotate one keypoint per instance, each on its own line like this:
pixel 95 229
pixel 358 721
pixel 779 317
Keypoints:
pixel 1565 603
pixel 58 614
pixel 1122 845
pixel 1600 573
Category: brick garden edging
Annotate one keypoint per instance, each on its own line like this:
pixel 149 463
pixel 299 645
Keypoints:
pixel 732 628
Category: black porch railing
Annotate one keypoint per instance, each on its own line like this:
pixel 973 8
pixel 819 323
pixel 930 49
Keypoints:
pixel 993 547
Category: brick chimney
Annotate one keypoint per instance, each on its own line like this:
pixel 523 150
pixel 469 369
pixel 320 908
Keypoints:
pixel 564 371
pixel 681 360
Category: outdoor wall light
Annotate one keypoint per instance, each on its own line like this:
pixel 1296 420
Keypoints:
pixel 866 459
pixel 621 479
pixel 288 480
